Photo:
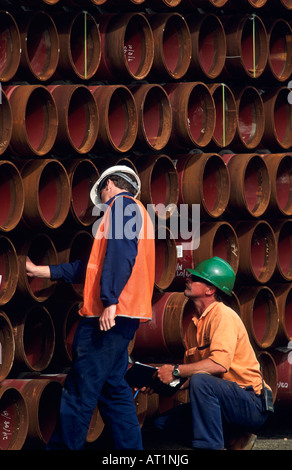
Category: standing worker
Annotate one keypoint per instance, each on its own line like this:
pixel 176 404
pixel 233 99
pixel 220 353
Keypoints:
pixel 119 281
pixel 228 396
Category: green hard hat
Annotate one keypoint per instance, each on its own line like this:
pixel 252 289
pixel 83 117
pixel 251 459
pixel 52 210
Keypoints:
pixel 217 272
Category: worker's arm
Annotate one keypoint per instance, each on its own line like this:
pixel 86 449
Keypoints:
pixel 32 270
pixel 69 272
pixel 187 370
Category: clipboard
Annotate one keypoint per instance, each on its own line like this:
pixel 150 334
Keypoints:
pixel 143 375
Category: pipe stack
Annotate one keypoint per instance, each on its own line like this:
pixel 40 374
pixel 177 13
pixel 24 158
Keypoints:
pixel 196 96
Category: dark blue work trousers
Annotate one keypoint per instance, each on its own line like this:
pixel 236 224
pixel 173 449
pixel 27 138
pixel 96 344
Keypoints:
pixel 216 408
pixel 100 361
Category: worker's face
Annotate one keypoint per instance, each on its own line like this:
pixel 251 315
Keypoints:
pixel 196 288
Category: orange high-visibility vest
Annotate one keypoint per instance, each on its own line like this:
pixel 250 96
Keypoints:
pixel 135 299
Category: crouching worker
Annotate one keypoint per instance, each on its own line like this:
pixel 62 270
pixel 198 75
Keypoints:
pixel 119 280
pixel 224 376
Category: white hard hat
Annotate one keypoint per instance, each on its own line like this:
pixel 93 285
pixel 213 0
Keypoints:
pixel 118 170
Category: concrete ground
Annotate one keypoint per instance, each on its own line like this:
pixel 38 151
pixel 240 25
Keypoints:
pixel 275 435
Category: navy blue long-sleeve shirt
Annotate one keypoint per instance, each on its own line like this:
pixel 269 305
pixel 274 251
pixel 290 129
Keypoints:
pixel 126 222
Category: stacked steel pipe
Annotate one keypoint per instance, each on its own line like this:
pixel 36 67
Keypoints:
pixel 196 96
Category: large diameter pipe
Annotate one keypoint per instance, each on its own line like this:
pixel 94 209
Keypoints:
pixel 284 371
pixel 163 5
pixel 269 371
pixel 13 418
pixel 7 346
pixel 246 5
pixel 172 46
pixel 37 2
pixel 218 239
pixel 125 4
pixel 11 196
pixel 85 2
pixel 164 335
pixel 127 47
pixel 65 315
pixel 250 118
pixel 258 248
pixel 9 270
pixel 226 115
pixel 283 6
pixel 278 118
pixel 80 45
pixel 104 163
pixel 283 234
pixel 185 260
pixel 204 180
pixel 189 5
pixel 208 45
pixel 118 118
pixel 72 247
pixel 193 111
pixel 247 45
pixel 40 45
pixel 166 258
pixel 280 169
pixel 260 314
pixel 279 64
pixel 96 426
pixel 47 193
pixel 154 116
pixel 78 118
pixel 283 294
pixel 250 184
pixel 159 184
pixel 34 336
pixel 42 397
pixel 35 119
pixel 41 250
pixel 82 175
pixel 6 123
pixel 10 51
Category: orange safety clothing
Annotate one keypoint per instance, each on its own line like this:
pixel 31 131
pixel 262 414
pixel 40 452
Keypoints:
pixel 220 335
pixel 135 299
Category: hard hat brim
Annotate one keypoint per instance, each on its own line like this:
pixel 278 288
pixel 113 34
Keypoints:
pixel 94 193
pixel 208 281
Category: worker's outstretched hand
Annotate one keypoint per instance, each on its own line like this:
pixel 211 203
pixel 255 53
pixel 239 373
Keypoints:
pixel 107 318
pixel 32 270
